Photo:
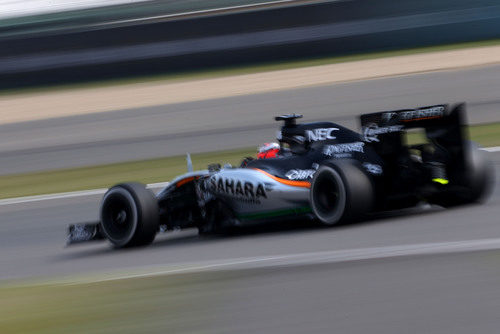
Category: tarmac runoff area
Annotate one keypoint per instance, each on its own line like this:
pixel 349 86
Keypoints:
pixel 424 270
pixel 32 236
pixel 36 106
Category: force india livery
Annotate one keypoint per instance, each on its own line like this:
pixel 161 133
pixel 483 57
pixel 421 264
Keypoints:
pixel 321 171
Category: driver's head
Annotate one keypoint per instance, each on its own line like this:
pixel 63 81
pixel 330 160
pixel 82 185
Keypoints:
pixel 268 150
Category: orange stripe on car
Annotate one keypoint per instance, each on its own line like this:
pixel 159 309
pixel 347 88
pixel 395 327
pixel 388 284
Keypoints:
pixel 184 181
pixel 302 184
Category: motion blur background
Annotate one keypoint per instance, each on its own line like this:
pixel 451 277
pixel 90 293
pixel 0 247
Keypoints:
pixel 147 37
pixel 97 92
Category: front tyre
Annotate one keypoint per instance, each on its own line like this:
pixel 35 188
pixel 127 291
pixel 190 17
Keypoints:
pixel 129 215
pixel 340 191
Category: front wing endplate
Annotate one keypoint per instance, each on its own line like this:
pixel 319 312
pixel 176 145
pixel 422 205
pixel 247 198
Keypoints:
pixel 78 233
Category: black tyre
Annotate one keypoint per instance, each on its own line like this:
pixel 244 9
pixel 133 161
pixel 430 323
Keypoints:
pixel 473 183
pixel 341 191
pixel 129 215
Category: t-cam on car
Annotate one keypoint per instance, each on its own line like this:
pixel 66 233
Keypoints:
pixel 322 171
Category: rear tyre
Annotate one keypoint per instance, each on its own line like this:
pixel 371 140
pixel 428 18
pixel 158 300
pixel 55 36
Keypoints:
pixel 340 192
pixel 129 215
pixel 474 182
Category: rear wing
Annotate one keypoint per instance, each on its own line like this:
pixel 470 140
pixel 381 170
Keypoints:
pixel 443 125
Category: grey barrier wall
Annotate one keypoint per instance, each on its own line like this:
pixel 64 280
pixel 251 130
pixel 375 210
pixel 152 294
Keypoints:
pixel 309 30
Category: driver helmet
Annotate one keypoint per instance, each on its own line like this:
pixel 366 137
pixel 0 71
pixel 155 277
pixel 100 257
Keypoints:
pixel 268 150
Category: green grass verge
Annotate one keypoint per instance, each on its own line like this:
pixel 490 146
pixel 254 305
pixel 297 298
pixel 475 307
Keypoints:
pixel 156 170
pixel 103 176
pixel 163 304
pixel 246 69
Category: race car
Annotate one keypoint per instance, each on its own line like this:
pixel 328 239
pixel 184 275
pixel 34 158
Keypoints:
pixel 320 171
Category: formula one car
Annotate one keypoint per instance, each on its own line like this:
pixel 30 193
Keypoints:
pixel 323 172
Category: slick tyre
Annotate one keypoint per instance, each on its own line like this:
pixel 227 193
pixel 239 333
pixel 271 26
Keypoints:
pixel 340 192
pixel 129 215
pixel 473 183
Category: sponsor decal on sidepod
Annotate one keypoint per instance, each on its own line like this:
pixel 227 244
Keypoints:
pixel 333 150
pixel 237 188
pixel 302 174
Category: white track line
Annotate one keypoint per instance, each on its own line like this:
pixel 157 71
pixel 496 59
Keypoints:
pixel 38 198
pixel 335 256
pixel 202 11
pixel 492 149
pixel 17 8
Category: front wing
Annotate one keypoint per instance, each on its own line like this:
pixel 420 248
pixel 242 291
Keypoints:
pixel 78 233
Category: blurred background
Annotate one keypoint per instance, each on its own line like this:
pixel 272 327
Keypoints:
pixel 80 40
pixel 97 92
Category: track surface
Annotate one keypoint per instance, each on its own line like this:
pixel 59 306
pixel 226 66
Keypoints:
pixel 432 293
pixel 232 122
pixel 32 237
pixel 455 293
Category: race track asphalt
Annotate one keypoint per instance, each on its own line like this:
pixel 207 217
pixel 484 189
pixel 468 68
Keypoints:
pixel 32 237
pixel 233 122
pixel 423 270
pixel 414 290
